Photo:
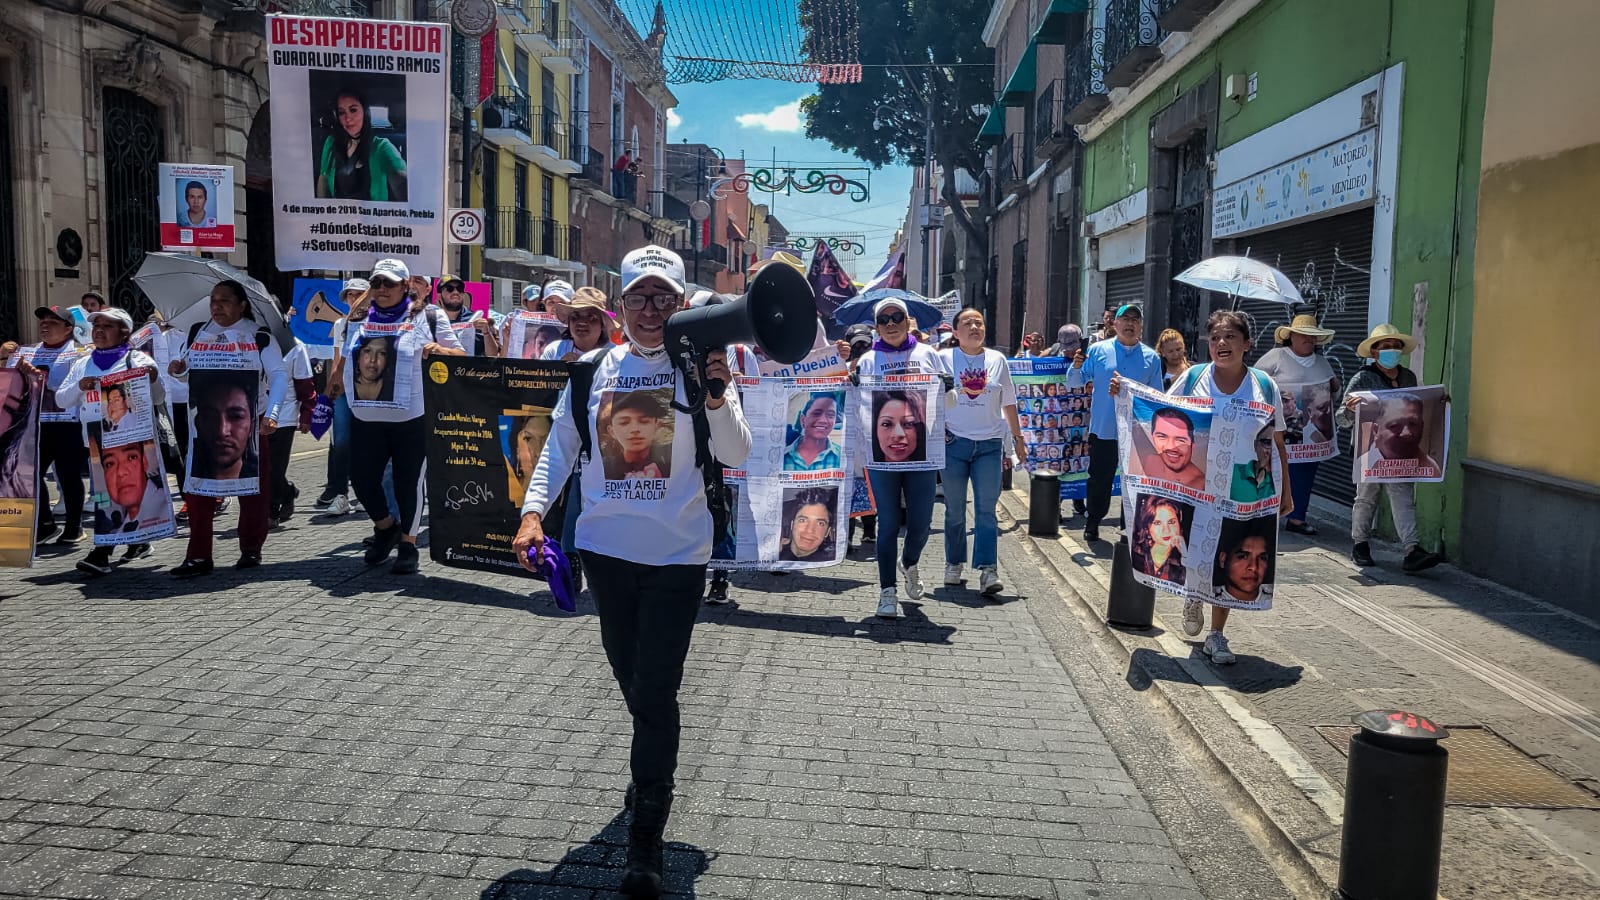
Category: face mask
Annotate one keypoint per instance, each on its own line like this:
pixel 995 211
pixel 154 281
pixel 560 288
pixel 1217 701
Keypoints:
pixel 1389 359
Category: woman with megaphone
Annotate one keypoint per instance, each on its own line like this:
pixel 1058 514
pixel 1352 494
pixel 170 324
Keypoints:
pixel 644 538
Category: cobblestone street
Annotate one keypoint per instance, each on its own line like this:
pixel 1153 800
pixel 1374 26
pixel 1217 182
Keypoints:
pixel 321 730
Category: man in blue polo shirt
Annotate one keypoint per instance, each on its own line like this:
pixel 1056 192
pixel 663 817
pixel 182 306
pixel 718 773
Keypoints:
pixel 1123 355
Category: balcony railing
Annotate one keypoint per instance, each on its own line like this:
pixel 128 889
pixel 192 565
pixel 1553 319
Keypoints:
pixel 1049 129
pixel 509 110
pixel 594 169
pixel 1084 92
pixel 1008 168
pixel 510 228
pixel 549 131
pixel 1133 41
pixel 1183 15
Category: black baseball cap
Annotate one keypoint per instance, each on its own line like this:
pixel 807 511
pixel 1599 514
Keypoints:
pixel 858 334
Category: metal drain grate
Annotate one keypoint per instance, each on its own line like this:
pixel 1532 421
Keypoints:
pixel 1486 770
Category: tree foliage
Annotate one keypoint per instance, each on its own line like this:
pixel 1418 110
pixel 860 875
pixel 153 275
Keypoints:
pixel 918 56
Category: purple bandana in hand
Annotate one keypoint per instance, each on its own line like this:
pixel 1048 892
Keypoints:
pixel 321 416
pixel 551 564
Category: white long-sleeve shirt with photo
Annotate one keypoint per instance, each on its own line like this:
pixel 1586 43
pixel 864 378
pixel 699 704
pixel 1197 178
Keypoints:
pixel 655 521
pixel 422 333
pixel 274 375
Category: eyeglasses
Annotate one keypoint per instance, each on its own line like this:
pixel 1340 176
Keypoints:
pixel 662 302
pixel 894 318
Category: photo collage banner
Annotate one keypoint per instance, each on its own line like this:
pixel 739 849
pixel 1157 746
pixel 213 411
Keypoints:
pixel 1054 420
pixel 1200 487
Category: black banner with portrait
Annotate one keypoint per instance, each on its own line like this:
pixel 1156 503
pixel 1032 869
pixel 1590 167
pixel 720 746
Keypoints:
pixel 488 422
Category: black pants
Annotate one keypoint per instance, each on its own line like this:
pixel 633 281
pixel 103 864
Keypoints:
pixel 282 444
pixel 1102 469
pixel 61 445
pixel 373 445
pixel 180 430
pixel 647 617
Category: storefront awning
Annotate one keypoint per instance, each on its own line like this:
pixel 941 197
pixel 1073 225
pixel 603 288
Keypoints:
pixel 1019 90
pixel 1057 21
pixel 994 127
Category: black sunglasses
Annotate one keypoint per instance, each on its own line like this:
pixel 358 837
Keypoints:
pixel 894 318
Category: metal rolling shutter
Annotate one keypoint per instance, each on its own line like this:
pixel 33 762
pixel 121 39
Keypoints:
pixel 1125 285
pixel 1330 261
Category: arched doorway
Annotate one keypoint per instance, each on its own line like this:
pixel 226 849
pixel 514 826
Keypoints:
pixel 134 148
pixel 261 259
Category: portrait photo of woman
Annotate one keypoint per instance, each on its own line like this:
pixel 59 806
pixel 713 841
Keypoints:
pixel 1160 537
pixel 899 427
pixel 355 163
pixel 523 434
pixel 375 369
pixel 19 435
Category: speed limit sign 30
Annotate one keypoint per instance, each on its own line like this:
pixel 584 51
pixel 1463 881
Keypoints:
pixel 466 226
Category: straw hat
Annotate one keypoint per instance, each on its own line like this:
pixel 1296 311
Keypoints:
pixel 585 297
pixel 788 259
pixel 1386 332
pixel 1306 325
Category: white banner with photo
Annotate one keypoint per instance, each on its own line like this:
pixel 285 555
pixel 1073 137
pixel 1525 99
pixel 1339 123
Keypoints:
pixel 1201 491
pixel 902 422
pixel 1401 435
pixel 132 504
pixel 223 456
pixel 528 333
pixel 792 499
pixel 56 363
pixel 360 119
pixel 127 414
pixel 381 364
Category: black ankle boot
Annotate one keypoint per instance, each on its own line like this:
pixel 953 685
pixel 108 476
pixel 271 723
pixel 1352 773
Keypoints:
pixel 646 843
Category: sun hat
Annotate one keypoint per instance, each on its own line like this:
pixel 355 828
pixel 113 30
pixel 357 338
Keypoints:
pixel 652 261
pixel 1386 332
pixel 1306 325
pixel 115 314
pixel 585 297
pixel 782 256
pixel 392 270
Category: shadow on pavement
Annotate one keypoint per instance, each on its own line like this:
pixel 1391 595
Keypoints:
pixel 1248 675
pixel 597 865
pixel 914 628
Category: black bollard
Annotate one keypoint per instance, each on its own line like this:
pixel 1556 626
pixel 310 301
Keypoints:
pixel 1393 808
pixel 1044 503
pixel 1132 605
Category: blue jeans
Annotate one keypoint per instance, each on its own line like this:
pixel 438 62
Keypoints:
pixel 889 489
pixel 978 462
pixel 1301 477
pixel 339 450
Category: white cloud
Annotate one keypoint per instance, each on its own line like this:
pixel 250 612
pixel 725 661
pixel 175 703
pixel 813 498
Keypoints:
pixel 780 118
pixel 673 119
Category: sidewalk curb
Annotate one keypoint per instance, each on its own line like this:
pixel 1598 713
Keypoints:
pixel 1293 811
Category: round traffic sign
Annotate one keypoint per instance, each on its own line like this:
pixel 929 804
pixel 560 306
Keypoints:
pixel 466 226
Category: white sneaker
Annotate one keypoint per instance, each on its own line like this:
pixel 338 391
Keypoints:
pixel 888 604
pixel 989 582
pixel 1216 647
pixel 952 575
pixel 339 506
pixel 913 579
pixel 1194 618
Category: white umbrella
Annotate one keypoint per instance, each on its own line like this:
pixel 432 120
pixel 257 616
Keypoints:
pixel 1242 276
pixel 180 287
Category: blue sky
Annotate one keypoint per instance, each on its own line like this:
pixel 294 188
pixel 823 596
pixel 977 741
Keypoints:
pixel 755 119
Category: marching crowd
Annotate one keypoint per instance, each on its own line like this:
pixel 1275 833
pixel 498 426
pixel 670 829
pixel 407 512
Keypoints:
pixel 648 580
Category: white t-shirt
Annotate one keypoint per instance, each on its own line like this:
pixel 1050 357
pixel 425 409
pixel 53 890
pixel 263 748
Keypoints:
pixel 410 349
pixel 643 496
pixel 1250 389
pixel 177 388
pixel 298 363
pixel 556 349
pixel 920 358
pixel 983 391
